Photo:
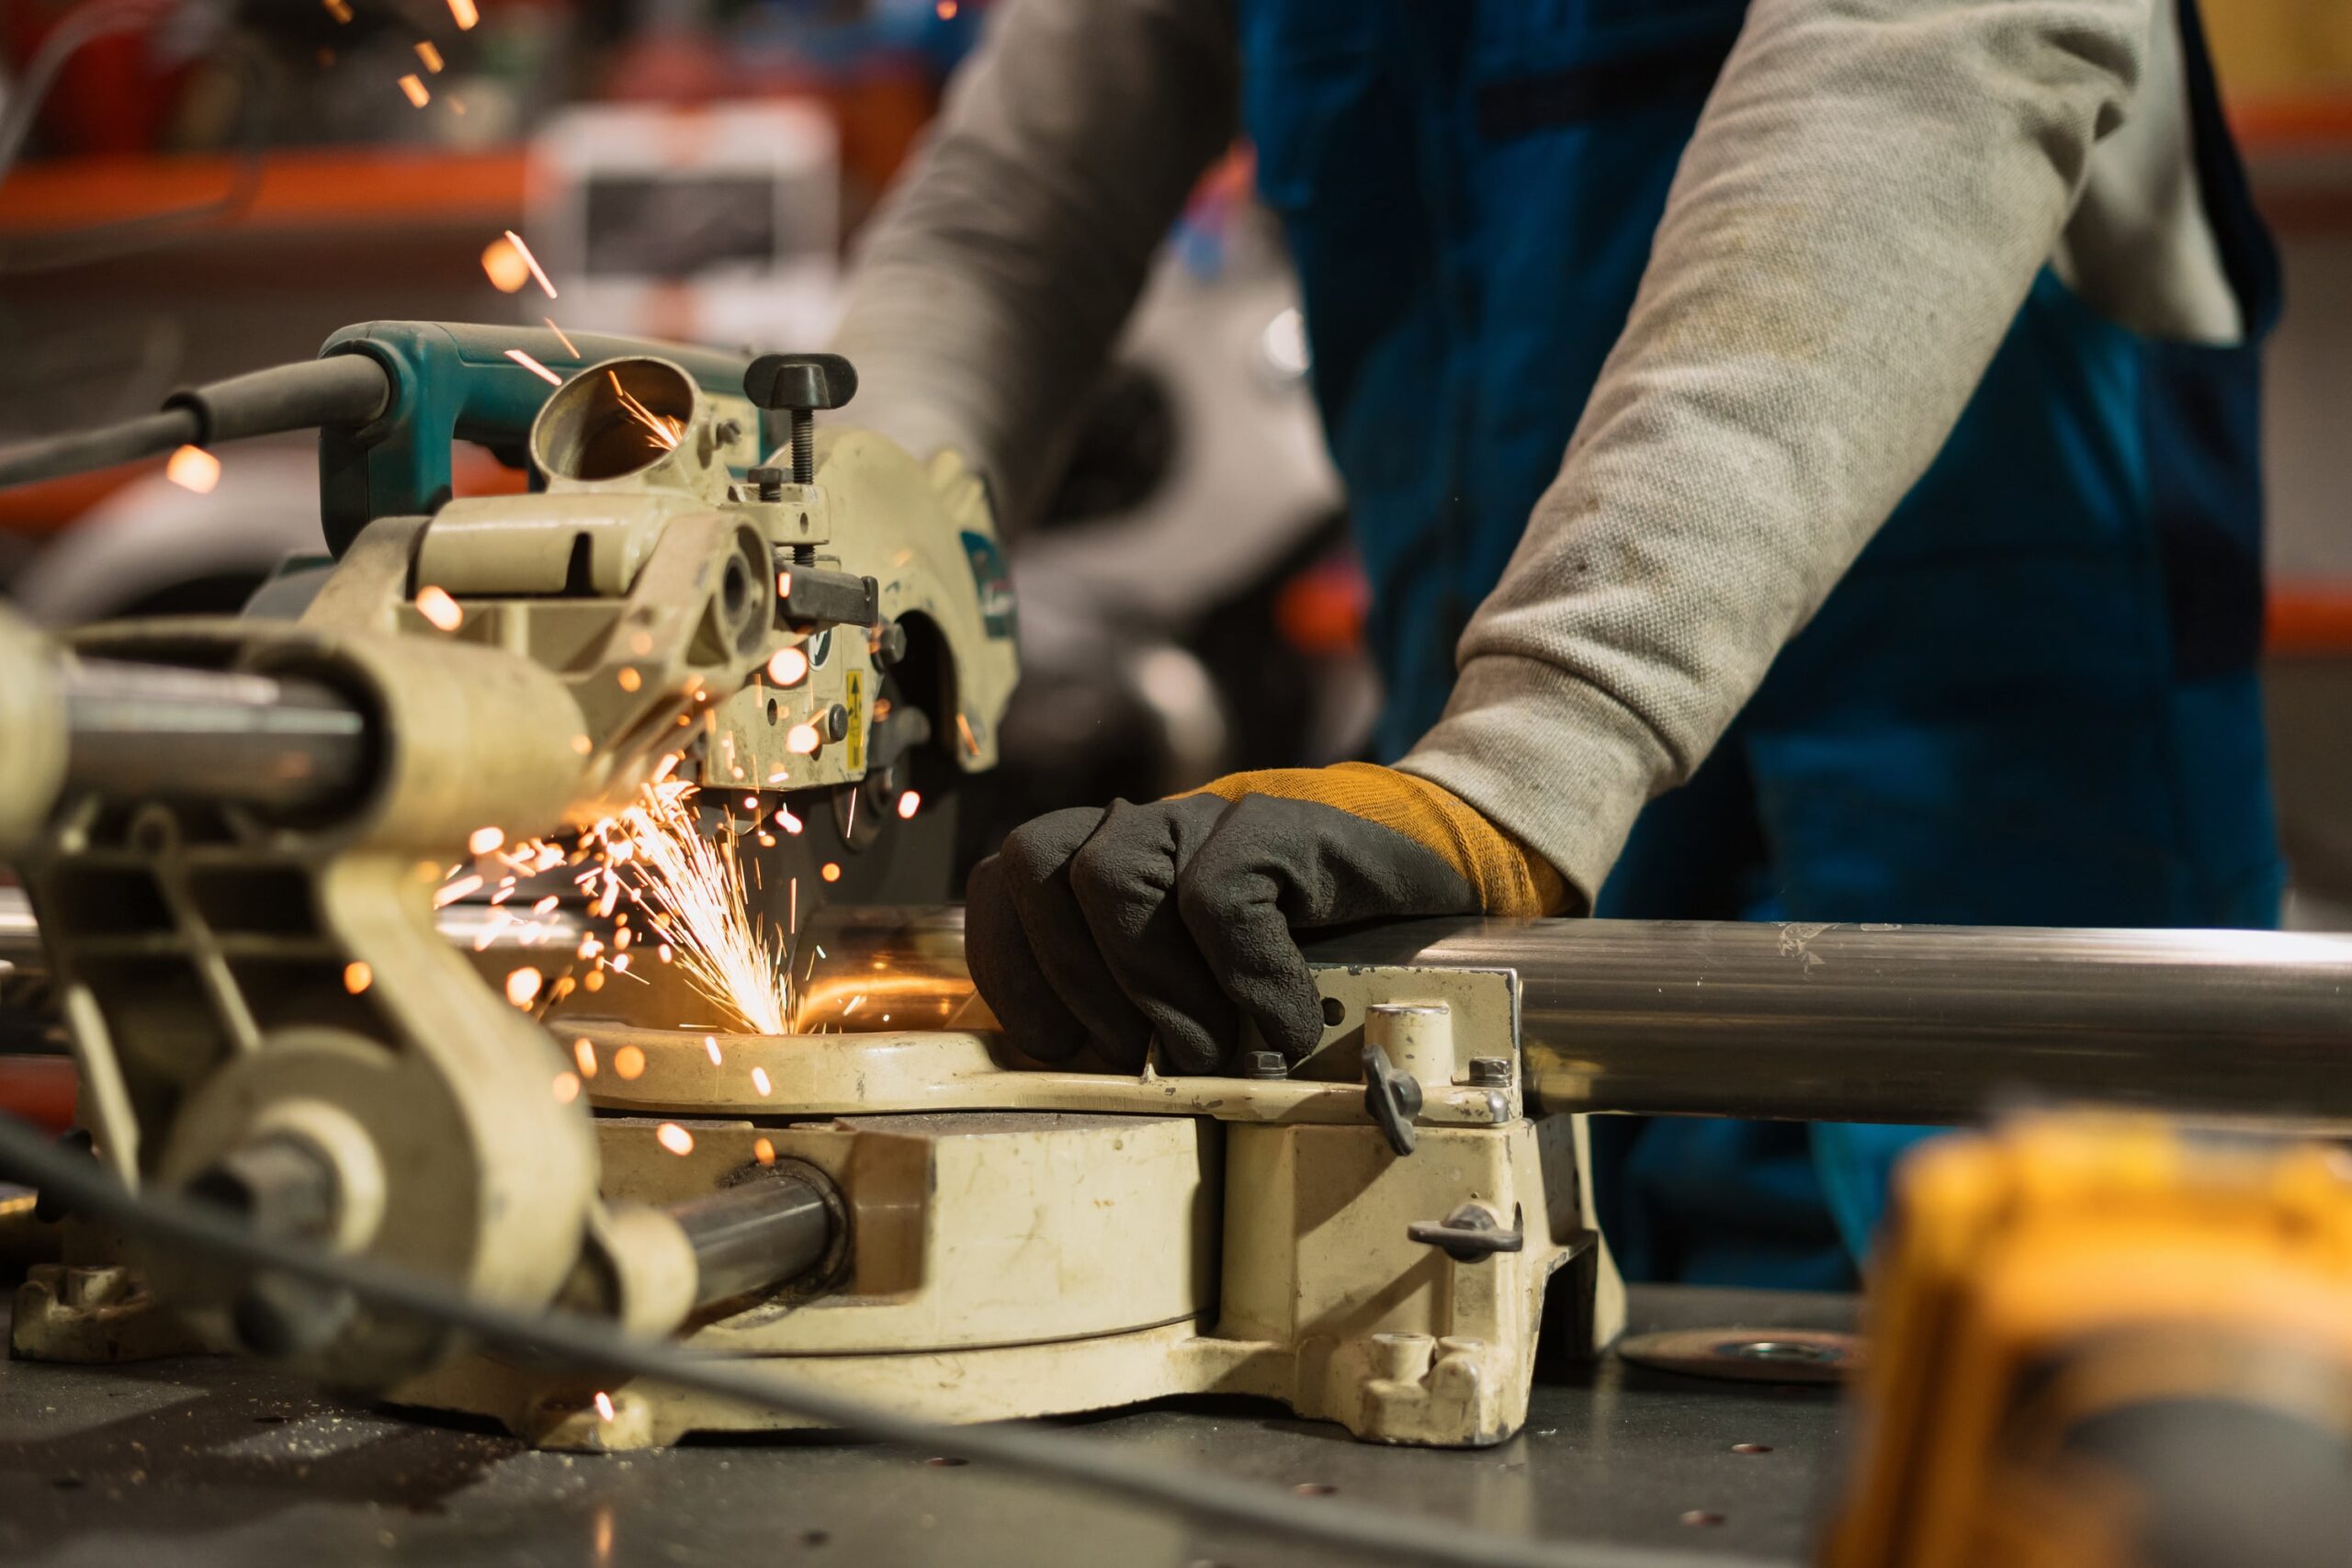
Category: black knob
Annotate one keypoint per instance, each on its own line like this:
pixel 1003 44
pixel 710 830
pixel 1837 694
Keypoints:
pixel 808 381
pixel 799 384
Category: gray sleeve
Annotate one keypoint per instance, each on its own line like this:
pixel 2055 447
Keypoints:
pixel 1872 188
pixel 987 292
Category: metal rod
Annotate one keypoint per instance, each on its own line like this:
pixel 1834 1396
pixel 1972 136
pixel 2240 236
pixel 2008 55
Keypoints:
pixel 1907 1024
pixel 1810 1022
pixel 173 732
pixel 768 1229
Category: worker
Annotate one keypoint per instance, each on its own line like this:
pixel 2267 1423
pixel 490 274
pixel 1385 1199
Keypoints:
pixel 1804 451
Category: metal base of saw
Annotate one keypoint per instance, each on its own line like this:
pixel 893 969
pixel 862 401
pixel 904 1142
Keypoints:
pixel 1023 1242
pixel 1025 1264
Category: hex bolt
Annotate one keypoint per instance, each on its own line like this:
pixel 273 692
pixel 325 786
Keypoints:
pixel 1265 1064
pixel 1490 1072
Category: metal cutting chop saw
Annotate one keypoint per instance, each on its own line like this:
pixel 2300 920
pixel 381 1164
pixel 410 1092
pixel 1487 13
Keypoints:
pixel 235 835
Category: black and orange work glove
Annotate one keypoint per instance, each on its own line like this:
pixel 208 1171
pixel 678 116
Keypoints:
pixel 1105 928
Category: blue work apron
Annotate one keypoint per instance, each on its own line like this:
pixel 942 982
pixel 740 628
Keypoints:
pixel 2033 700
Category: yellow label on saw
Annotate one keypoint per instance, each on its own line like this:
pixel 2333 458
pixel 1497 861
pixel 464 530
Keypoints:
pixel 856 737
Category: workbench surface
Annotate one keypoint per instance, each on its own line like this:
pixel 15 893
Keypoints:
pixel 199 1461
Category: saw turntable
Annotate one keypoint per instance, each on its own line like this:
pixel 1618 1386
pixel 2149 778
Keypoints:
pixel 540 895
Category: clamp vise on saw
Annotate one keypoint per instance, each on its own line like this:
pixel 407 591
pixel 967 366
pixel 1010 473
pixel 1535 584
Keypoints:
pixel 237 836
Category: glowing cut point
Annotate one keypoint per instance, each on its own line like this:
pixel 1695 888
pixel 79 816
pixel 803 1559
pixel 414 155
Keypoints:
pixel 674 1138
pixel 357 977
pixel 483 841
pixel 789 667
pixel 440 611
pixel 193 469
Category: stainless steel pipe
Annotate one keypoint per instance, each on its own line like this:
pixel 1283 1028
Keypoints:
pixel 1907 1023
pixel 1838 1022
pixel 767 1229
pixel 179 733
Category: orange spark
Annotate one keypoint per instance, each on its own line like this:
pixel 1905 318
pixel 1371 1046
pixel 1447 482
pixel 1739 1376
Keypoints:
pixel 338 9
pixel 829 872
pixel 787 820
pixel 445 613
pixel 710 1043
pixel 801 739
pixel 674 1138
pixel 628 678
pixel 583 1051
pixel 357 977
pixel 583 745
pixel 567 1088
pixel 192 467
pixel 430 55
pixel 414 85
pixel 909 804
pixel 483 841
pixel 523 985
pixel 535 367
pixel 537 273
pixel 763 1151
pixel 789 668
pixel 604 1404
pixel 946 10
pixel 508 271
pixel 465 13
pixel 456 890
pixel 629 1062
pixel 573 349
pixel 760 1082
pixel 664 430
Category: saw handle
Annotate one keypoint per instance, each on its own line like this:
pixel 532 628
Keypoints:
pixel 451 382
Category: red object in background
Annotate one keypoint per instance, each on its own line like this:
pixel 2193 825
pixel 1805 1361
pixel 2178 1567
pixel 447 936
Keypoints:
pixel 41 1089
pixel 2309 618
pixel 110 98
pixel 1321 610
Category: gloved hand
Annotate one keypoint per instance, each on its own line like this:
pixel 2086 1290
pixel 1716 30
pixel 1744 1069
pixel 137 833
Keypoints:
pixel 1107 928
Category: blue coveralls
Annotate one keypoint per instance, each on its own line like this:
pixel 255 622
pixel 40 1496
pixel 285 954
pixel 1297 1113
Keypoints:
pixel 2033 701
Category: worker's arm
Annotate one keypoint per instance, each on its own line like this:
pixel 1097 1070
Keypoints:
pixel 986 294
pixel 1873 188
